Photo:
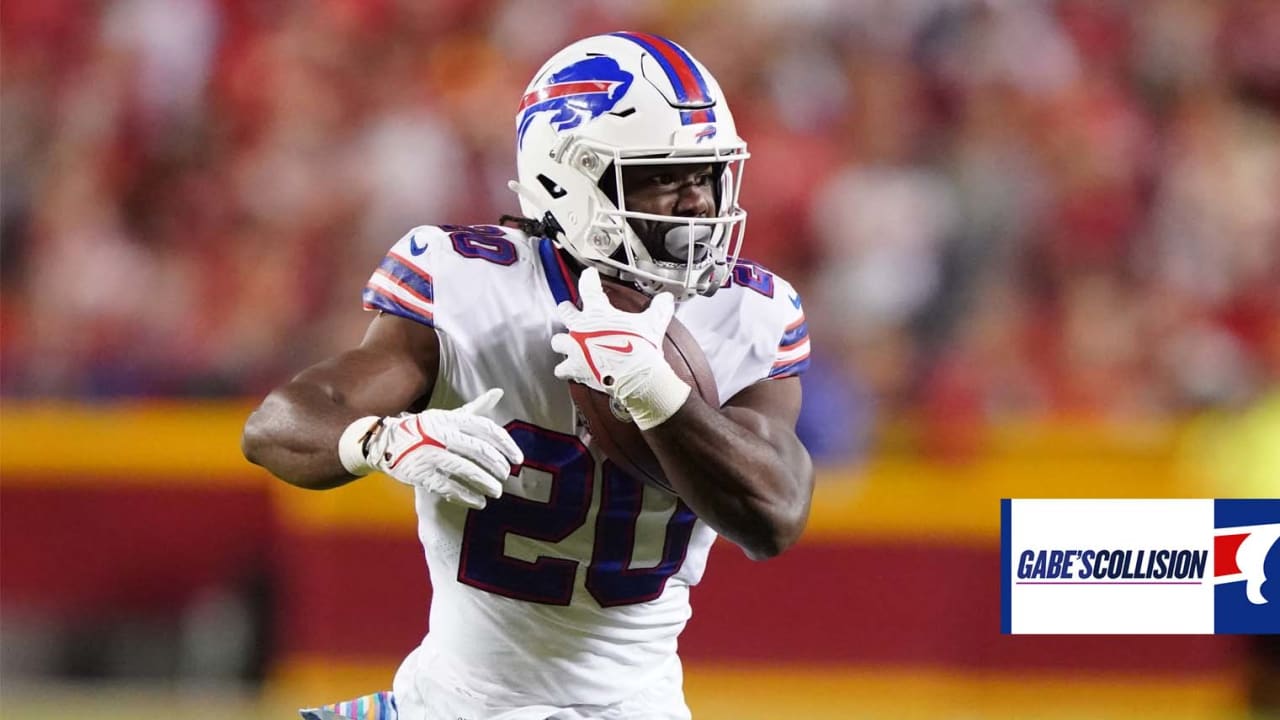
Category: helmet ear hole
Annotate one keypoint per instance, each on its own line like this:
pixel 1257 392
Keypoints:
pixel 552 187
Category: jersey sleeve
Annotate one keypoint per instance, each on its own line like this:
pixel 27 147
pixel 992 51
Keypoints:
pixel 403 284
pixel 792 357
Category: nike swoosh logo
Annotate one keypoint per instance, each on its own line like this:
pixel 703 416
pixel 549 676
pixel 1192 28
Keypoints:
pixel 619 348
pixel 795 300
pixel 414 248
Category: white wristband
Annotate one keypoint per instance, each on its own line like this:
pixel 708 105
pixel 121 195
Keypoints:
pixel 351 445
pixel 654 397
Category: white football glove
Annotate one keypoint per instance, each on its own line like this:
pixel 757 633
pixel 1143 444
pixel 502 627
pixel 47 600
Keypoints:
pixel 620 353
pixel 457 454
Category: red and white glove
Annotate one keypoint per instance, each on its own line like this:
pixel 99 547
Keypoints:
pixel 620 353
pixel 457 454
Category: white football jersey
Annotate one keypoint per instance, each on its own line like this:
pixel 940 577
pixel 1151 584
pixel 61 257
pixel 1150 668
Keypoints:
pixel 571 588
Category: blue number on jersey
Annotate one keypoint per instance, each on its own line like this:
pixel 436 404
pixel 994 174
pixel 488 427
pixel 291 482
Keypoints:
pixel 748 274
pixel 486 242
pixel 609 580
pixel 484 563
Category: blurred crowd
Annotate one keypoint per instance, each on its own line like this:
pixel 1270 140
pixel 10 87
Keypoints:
pixel 1000 209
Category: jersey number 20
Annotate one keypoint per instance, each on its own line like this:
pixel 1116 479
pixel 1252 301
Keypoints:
pixel 485 564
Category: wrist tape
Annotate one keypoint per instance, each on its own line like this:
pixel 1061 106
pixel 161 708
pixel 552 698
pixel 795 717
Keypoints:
pixel 653 397
pixel 353 445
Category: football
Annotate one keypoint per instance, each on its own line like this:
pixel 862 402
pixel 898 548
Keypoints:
pixel 608 423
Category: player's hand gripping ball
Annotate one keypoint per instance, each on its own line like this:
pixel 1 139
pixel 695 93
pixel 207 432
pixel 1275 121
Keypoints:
pixel 630 366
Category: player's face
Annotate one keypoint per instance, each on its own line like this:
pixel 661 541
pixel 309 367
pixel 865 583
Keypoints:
pixel 678 190
pixel 681 190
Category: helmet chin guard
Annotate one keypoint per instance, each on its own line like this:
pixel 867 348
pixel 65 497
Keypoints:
pixel 619 100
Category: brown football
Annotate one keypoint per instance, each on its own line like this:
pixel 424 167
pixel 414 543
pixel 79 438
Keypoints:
pixel 611 429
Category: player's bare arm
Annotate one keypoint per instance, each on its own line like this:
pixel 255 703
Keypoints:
pixel 294 433
pixel 741 468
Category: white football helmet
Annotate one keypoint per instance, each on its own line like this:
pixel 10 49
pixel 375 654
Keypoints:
pixel 623 99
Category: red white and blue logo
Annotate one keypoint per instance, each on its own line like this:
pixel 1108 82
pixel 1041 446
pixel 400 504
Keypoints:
pixel 580 92
pixel 1246 566
pixel 1140 567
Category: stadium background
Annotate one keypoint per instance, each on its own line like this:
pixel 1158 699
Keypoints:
pixel 1039 245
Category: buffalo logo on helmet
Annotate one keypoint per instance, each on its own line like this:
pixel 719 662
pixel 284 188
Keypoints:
pixel 580 92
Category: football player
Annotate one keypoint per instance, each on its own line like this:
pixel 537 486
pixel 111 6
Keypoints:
pixel 560 583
